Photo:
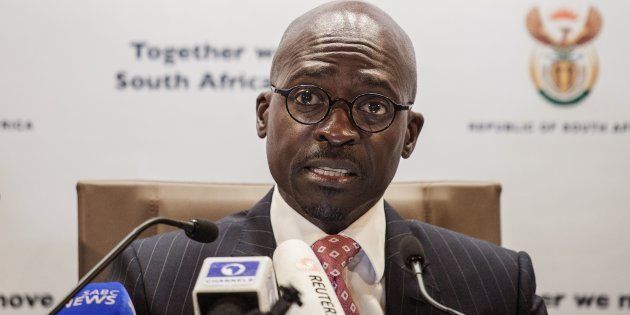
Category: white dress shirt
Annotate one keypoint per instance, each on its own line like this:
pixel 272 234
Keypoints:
pixel 364 275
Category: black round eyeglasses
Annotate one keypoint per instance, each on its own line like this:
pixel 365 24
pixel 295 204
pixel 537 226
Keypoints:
pixel 310 104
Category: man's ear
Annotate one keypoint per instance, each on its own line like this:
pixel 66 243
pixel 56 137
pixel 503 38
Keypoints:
pixel 262 113
pixel 415 121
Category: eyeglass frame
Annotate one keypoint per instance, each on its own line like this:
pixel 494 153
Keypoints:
pixel 332 102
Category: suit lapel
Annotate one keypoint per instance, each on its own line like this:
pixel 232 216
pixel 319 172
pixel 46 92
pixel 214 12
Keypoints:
pixel 256 236
pixel 402 293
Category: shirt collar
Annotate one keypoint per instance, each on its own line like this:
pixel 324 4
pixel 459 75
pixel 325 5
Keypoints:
pixel 368 230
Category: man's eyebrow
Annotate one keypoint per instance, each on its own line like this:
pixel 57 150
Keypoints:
pixel 376 82
pixel 312 72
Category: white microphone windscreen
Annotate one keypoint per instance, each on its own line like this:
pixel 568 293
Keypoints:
pixel 295 264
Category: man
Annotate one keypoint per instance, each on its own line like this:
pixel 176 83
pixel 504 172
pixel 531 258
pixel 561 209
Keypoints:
pixel 337 120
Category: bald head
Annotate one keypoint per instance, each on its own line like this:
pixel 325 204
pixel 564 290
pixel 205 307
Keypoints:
pixel 358 29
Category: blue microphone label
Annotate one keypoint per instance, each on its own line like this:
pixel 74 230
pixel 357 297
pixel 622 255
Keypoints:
pixel 232 273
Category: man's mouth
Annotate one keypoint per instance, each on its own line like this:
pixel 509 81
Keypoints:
pixel 332 173
pixel 329 171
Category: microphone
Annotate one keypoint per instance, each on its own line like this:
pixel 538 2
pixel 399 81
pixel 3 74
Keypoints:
pixel 235 285
pixel 100 298
pixel 296 264
pixel 200 230
pixel 413 255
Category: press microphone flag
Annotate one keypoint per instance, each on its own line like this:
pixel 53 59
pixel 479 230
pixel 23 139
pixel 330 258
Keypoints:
pixel 235 285
pixel 108 298
pixel 296 264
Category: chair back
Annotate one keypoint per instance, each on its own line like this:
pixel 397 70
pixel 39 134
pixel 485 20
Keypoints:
pixel 108 210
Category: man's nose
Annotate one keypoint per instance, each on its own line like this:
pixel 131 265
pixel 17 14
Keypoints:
pixel 337 129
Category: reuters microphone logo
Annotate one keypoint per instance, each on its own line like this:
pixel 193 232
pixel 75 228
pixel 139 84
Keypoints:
pixel 306 264
pixel 564 65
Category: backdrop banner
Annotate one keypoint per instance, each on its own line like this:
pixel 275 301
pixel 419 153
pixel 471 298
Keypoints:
pixel 534 95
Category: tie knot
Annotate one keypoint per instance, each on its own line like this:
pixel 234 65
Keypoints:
pixel 334 252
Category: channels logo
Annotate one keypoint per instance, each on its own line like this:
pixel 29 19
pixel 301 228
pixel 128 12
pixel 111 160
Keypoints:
pixel 235 269
pixel 564 66
pixel 232 273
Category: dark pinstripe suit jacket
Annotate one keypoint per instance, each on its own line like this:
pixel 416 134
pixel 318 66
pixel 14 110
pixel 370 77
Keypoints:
pixel 467 274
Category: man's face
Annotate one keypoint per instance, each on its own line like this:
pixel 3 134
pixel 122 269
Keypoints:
pixel 332 170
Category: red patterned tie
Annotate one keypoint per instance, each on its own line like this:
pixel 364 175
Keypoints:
pixel 334 252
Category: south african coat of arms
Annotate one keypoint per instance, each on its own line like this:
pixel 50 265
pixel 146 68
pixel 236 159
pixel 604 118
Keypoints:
pixel 564 64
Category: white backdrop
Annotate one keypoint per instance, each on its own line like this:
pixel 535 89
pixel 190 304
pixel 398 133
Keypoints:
pixel 65 116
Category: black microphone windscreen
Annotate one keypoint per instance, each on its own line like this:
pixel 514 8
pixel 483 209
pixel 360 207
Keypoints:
pixel 228 306
pixel 410 248
pixel 205 231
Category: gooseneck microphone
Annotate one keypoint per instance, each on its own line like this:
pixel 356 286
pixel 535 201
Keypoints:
pixel 413 255
pixel 200 230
